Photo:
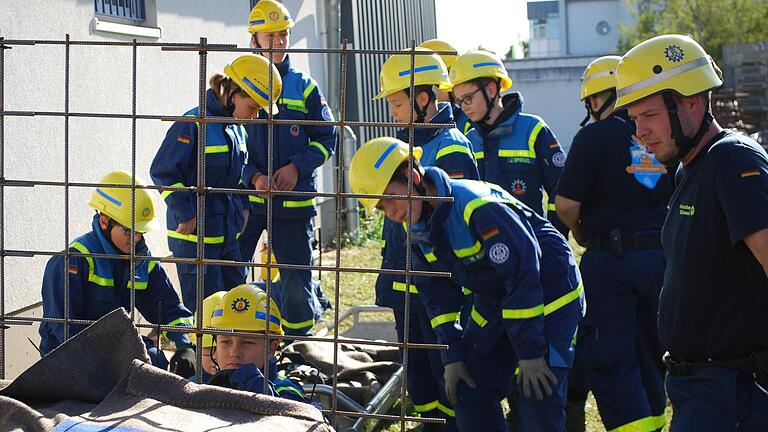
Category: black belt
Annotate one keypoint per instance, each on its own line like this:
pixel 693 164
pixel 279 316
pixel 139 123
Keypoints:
pixel 618 241
pixel 678 367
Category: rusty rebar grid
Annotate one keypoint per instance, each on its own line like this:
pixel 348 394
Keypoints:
pixel 201 191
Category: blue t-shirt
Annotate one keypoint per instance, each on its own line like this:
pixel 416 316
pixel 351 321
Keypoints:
pixel 714 301
pixel 617 181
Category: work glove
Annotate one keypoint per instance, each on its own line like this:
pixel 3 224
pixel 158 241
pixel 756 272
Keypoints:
pixel 453 373
pixel 183 362
pixel 536 378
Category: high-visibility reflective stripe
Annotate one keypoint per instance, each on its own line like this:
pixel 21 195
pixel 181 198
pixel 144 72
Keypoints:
pixel 564 300
pixel 446 410
pixel 400 286
pixel 217 149
pixel 523 313
pixel 286 101
pixel 429 406
pixel 645 424
pixel 152 265
pixel 321 148
pixel 466 291
pixel 455 148
pixel 467 126
pixel 182 322
pixel 295 204
pixel 480 155
pixel 256 199
pixel 430 256
pixel 463 253
pixel 92 277
pixel 308 90
pixel 193 238
pixel 661 77
pixel 166 194
pixel 551 207
pixel 289 388
pixel 477 318
pixel 472 206
pixel 531 151
pixel 300 325
pixel 449 317
pixel 139 286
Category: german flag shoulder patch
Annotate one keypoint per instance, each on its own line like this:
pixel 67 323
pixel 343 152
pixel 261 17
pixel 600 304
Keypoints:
pixel 750 172
pixel 490 232
pixel 184 139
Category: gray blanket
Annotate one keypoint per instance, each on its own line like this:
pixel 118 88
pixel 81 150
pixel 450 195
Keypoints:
pixel 101 380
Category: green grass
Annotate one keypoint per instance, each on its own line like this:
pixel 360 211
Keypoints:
pixel 358 289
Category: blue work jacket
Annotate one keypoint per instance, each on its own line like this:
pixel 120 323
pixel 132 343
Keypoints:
pixel 448 149
pixel 519 267
pixel 98 286
pixel 175 164
pixel 521 154
pixel 308 147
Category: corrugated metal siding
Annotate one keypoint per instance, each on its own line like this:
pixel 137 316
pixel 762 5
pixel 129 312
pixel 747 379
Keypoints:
pixel 379 24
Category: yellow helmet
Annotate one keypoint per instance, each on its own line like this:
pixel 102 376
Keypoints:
pixel 269 16
pixel 599 76
pixel 209 304
pixel 479 64
pixel 116 202
pixel 441 45
pixel 374 164
pixel 664 63
pixel 244 308
pixel 396 73
pixel 251 73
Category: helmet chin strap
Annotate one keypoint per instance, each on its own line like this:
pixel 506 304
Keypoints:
pixel 488 101
pixel 684 144
pixel 426 207
pixel 421 113
pixel 230 106
pixel 599 113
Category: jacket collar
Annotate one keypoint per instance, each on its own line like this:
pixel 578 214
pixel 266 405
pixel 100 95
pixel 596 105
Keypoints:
pixel 285 66
pixel 213 107
pixel 422 136
pixel 106 244
pixel 504 124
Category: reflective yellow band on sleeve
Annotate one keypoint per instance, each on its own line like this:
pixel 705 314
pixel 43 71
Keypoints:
pixel 92 277
pixel 166 194
pixel 299 325
pixel 308 90
pixel 472 206
pixel 429 406
pixel 152 265
pixel 256 199
pixel 455 148
pixel 463 253
pixel 138 286
pixel 193 238
pixel 466 291
pixel 217 149
pixel 564 300
pixel 467 127
pixel 445 410
pixel 400 286
pixel 450 317
pixel 551 207
pixel 533 136
pixel 296 204
pixel 477 318
pixel 322 149
pixel 645 424
pixel 523 313
pixel 182 322
pixel 290 389
pixel 479 155
pixel 430 257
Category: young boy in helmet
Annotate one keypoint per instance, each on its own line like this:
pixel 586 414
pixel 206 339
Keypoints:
pixel 450 150
pixel 527 293
pixel 515 150
pixel 242 92
pixel 297 151
pixel 206 344
pixel 463 123
pixel 613 196
pixel 243 361
pixel 98 286
pixel 712 304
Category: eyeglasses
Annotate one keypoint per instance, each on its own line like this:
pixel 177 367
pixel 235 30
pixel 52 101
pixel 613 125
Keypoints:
pixel 126 231
pixel 467 99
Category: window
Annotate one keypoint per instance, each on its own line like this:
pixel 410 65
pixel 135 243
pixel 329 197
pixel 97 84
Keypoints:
pixel 131 10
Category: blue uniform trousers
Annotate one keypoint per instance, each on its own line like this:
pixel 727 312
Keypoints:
pixel 717 400
pixel 425 370
pixel 217 278
pixel 618 351
pixel 291 243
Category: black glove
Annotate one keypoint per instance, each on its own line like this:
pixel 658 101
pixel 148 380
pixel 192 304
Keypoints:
pixel 183 362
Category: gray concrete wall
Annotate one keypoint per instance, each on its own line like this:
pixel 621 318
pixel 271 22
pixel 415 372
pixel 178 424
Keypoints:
pixel 583 17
